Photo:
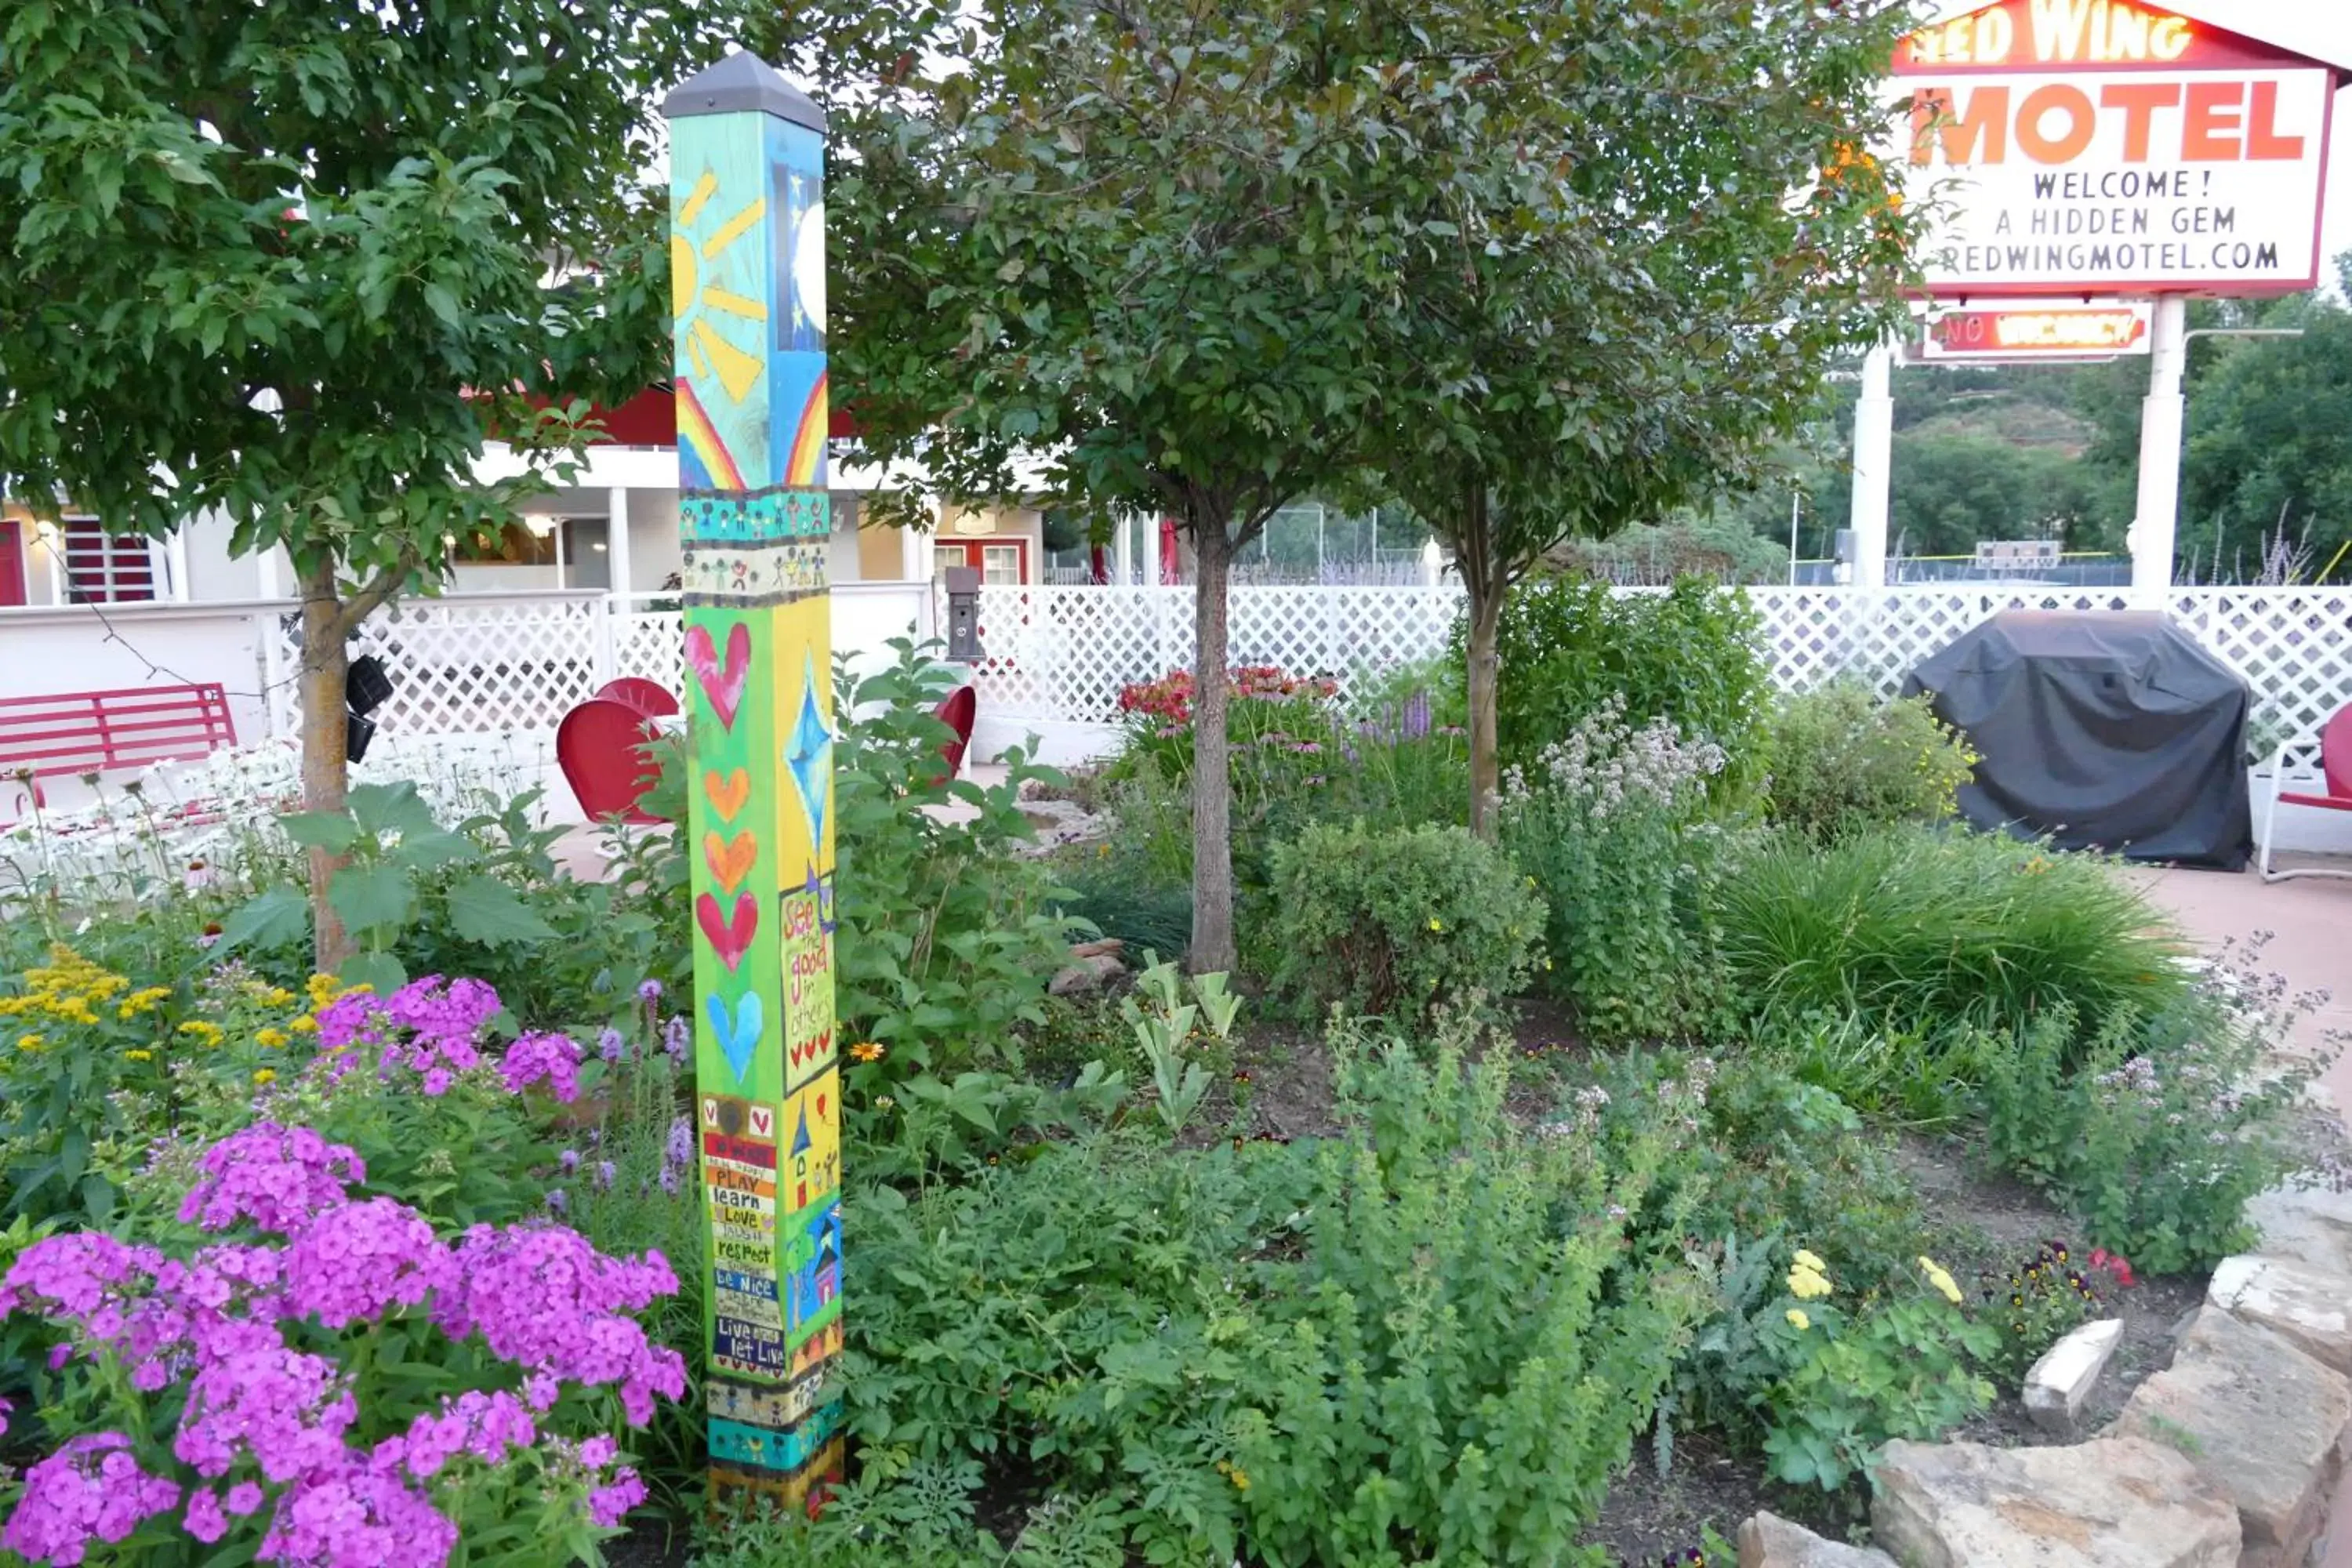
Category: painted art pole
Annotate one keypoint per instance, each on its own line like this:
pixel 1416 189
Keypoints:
pixel 747 278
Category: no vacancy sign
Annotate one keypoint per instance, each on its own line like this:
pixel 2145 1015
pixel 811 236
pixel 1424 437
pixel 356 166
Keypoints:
pixel 2098 145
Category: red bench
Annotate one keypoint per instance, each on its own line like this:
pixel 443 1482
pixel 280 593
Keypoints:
pixel 96 732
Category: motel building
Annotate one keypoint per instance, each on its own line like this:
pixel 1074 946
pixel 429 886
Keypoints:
pixel 613 530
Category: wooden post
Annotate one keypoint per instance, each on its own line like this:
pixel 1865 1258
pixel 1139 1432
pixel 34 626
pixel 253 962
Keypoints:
pixel 747 263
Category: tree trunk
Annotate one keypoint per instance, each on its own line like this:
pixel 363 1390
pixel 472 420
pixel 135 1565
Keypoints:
pixel 1485 667
pixel 1214 949
pixel 326 661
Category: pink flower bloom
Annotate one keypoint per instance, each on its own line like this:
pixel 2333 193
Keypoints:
pixel 92 1489
pixel 277 1177
pixel 549 1058
pixel 357 1261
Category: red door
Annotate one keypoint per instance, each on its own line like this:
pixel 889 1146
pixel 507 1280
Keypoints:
pixel 12 562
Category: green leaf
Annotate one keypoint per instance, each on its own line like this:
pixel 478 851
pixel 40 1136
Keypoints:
pixel 278 918
pixel 379 970
pixel 383 809
pixel 372 897
pixel 484 910
pixel 332 831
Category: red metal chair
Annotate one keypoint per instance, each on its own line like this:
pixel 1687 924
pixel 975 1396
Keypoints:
pixel 599 747
pixel 2331 752
pixel 650 698
pixel 957 711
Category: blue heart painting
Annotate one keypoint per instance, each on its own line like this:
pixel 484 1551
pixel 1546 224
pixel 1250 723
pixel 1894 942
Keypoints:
pixel 738 1037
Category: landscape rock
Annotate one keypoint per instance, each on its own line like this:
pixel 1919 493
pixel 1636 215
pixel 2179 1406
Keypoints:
pixel 2313 1226
pixel 1064 821
pixel 2311 1306
pixel 2113 1503
pixel 1085 975
pixel 2260 1419
pixel 2058 1384
pixel 1769 1541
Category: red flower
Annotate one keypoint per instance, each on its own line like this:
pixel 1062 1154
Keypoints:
pixel 2115 1264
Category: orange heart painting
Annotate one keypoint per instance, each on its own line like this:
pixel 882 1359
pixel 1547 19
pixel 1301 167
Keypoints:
pixel 730 860
pixel 727 796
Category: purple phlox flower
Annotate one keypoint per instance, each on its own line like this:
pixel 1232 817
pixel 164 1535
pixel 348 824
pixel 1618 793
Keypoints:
pixel 356 1261
pixel 91 1490
pixel 202 1518
pixel 433 1011
pixel 610 1045
pixel 543 1299
pixel 277 1177
pixel 243 1498
pixel 351 1020
pixel 75 1272
pixel 357 1514
pixel 549 1058
pixel 610 1504
pixel 285 1409
pixel 5 1408
pixel 436 1082
pixel 486 1426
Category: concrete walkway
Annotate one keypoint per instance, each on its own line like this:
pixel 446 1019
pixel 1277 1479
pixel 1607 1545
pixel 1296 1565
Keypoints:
pixel 2311 922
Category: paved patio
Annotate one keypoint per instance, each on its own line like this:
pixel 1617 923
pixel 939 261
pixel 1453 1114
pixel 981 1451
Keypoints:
pixel 2311 922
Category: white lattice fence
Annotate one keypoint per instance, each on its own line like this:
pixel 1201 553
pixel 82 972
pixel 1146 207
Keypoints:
pixel 486 666
pixel 650 645
pixel 463 666
pixel 1064 653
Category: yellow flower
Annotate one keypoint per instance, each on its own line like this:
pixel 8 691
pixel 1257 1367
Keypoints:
pixel 273 1038
pixel 1807 1260
pixel 141 1001
pixel 277 996
pixel 305 1025
pixel 71 1009
pixel 1798 1321
pixel 29 1043
pixel 320 989
pixel 202 1032
pixel 1808 1284
pixel 1436 924
pixel 18 1006
pixel 1940 1279
pixel 139 1055
pixel 265 1075
pixel 868 1050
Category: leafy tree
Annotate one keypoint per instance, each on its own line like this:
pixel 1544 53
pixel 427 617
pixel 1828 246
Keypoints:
pixel 1149 239
pixel 1614 303
pixel 290 262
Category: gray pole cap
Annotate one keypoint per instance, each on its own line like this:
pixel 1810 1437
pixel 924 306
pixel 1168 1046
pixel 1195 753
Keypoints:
pixel 740 81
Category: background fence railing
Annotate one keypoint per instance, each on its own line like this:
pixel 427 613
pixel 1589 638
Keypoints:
pixel 493 664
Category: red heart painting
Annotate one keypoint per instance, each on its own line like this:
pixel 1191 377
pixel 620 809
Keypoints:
pixel 730 939
pixel 723 684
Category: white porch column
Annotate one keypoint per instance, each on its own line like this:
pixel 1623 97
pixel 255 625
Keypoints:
pixel 265 571
pixel 1150 525
pixel 1122 555
pixel 1873 466
pixel 914 554
pixel 175 551
pixel 616 544
pixel 2161 421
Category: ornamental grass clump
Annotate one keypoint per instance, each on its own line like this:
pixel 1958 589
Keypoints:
pixel 307 1374
pixel 1929 932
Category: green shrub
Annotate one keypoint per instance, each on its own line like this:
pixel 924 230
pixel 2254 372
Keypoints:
pixel 948 934
pixel 1429 1338
pixel 1608 822
pixel 1692 656
pixel 1841 761
pixel 2156 1135
pixel 1401 920
pixel 1919 931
